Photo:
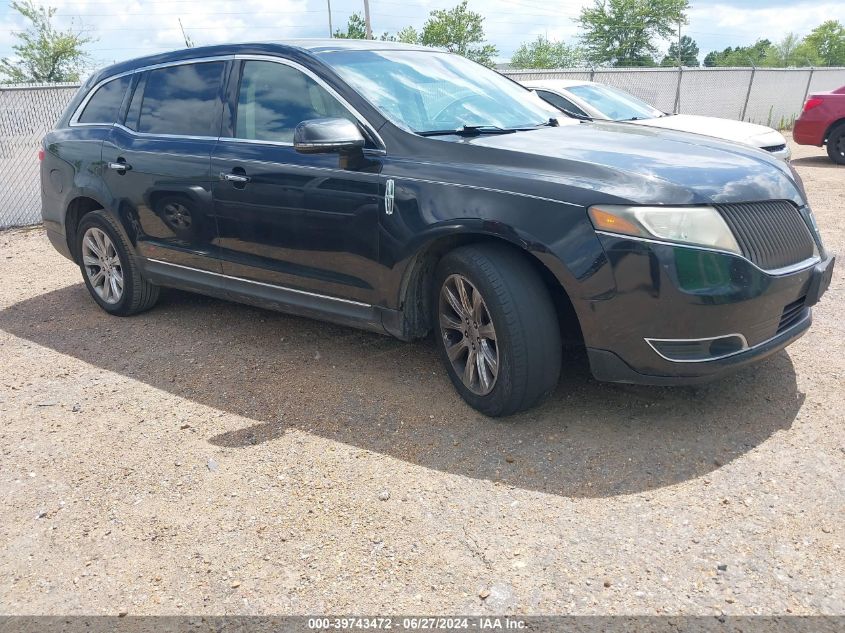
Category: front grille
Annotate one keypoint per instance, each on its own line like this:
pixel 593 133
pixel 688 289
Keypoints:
pixel 774 148
pixel 771 234
pixel 792 314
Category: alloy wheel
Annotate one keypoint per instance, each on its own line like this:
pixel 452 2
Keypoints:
pixel 102 265
pixel 468 334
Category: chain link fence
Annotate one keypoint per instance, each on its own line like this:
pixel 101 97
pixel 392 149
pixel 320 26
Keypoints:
pixel 771 96
pixel 27 113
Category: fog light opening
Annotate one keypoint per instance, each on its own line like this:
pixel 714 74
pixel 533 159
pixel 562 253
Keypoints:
pixel 698 350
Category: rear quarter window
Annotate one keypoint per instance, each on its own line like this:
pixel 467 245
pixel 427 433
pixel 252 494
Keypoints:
pixel 182 100
pixel 104 104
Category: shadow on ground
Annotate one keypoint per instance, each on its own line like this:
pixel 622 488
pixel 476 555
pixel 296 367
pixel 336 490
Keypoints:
pixel 588 440
pixel 815 161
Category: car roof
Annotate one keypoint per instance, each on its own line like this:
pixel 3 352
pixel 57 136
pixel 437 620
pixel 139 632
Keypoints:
pixel 268 48
pixel 555 84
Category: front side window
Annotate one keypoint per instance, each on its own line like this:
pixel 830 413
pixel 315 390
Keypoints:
pixel 425 91
pixel 562 104
pixel 182 100
pixel 104 105
pixel 274 98
pixel 615 104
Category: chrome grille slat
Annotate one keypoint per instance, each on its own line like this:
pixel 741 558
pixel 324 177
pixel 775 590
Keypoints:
pixel 771 234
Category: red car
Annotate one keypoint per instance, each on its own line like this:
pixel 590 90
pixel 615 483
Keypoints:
pixel 823 122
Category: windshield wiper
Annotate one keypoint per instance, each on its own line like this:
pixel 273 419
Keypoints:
pixel 469 130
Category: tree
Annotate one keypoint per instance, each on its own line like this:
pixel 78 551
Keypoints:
pixel 42 53
pixel 544 53
pixel 622 32
pixel 458 30
pixel 689 53
pixel 356 28
pixel 740 56
pixel 408 35
pixel 788 52
pixel 827 43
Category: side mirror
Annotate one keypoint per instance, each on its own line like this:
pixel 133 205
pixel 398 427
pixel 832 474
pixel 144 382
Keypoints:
pixel 326 136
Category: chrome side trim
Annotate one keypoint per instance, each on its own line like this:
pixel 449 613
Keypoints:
pixel 319 80
pixel 478 188
pixel 652 341
pixel 183 137
pixel 775 272
pixel 261 283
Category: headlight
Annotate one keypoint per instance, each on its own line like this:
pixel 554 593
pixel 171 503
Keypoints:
pixel 700 226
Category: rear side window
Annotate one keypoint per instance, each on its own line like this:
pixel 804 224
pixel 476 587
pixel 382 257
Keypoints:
pixel 183 100
pixel 274 98
pixel 104 105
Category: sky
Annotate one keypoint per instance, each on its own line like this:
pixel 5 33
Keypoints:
pixel 131 28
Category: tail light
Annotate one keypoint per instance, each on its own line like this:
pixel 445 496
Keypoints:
pixel 40 155
pixel 812 103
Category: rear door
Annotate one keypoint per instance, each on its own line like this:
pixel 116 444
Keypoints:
pixel 157 162
pixel 291 220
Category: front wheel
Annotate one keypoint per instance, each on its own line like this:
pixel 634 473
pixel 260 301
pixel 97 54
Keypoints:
pixel 497 329
pixel 110 272
pixel 836 145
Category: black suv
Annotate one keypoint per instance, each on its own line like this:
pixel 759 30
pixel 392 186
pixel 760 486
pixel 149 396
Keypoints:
pixel 404 190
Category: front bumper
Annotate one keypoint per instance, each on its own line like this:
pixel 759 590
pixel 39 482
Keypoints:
pixel 674 292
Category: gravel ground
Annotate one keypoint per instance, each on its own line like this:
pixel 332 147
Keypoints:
pixel 207 457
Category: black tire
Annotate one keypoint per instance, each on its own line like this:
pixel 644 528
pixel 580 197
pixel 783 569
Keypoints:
pixel 527 334
pixel 138 294
pixel 836 144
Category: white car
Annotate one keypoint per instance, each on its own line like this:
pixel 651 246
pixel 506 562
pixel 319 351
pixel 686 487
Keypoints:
pixel 587 99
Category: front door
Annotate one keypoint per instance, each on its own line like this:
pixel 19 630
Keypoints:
pixel 300 222
pixel 158 163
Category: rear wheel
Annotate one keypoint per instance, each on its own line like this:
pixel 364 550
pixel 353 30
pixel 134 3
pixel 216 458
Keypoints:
pixel 497 329
pixel 110 272
pixel 836 145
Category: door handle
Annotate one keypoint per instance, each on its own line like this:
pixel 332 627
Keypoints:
pixel 119 166
pixel 238 178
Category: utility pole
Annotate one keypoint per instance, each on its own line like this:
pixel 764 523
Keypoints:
pixel 679 42
pixel 331 30
pixel 367 19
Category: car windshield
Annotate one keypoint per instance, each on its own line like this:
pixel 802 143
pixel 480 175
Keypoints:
pixel 615 104
pixel 428 91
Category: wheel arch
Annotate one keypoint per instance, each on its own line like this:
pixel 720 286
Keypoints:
pixel 415 290
pixel 839 122
pixel 78 208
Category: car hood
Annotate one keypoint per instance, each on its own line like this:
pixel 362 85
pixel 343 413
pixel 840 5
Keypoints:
pixel 601 160
pixel 728 129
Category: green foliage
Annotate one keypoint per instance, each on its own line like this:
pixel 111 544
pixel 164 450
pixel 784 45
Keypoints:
pixel 623 32
pixel 689 53
pixel 408 35
pixel 740 56
pixel 42 53
pixel 356 28
pixel 458 30
pixel 544 53
pixel 827 43
pixel 790 52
